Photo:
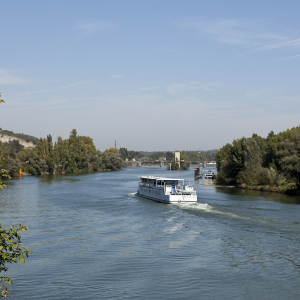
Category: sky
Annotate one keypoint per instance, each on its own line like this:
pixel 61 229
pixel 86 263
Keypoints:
pixel 154 75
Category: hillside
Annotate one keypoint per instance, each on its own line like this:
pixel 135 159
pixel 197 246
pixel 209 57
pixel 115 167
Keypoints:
pixel 24 139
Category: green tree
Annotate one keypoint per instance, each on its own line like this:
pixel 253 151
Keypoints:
pixel 11 251
pixel 123 153
pixel 3 175
pixel 156 155
pixel 230 161
pixel 110 161
pixel 169 156
pixel 37 165
pixel 290 157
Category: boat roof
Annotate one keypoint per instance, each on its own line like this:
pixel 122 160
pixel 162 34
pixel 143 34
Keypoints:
pixel 160 178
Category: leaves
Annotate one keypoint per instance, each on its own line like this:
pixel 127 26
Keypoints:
pixel 260 160
pixel 11 251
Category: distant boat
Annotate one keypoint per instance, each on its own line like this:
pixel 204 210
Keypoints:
pixel 210 175
pixel 166 190
pixel 198 173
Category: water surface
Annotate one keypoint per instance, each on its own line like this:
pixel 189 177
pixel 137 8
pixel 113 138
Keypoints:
pixel 94 239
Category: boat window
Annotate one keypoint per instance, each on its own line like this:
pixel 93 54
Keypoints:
pixel 171 182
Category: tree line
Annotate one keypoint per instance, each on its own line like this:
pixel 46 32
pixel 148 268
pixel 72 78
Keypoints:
pixel 272 161
pixel 77 153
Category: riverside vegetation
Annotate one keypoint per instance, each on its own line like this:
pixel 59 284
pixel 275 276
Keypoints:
pixel 271 164
pixel 77 153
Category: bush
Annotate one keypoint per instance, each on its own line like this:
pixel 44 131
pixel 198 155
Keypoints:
pixel 37 165
pixel 247 177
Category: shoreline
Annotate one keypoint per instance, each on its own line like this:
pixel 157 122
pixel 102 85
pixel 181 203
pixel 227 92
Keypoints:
pixel 260 188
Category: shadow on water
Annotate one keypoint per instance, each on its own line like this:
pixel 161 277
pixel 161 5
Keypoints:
pixel 250 195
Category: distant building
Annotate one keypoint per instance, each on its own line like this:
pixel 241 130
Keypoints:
pixel 177 157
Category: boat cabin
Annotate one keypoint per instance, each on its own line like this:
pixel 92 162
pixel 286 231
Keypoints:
pixel 160 181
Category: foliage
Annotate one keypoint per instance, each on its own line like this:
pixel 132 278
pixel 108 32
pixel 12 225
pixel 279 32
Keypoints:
pixel 3 175
pixel 110 161
pixel 156 155
pixel 170 156
pixel 15 145
pixel 25 154
pixel 135 155
pixel 8 159
pixel 195 156
pixel 174 166
pixel 123 153
pixel 273 160
pixel 11 251
pixel 130 154
pixel 290 157
pixel 113 150
pixel 37 165
pixel 78 154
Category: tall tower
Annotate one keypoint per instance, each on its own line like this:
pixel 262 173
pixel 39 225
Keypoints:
pixel 115 143
pixel 177 157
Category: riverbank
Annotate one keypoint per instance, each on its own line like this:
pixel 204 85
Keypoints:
pixel 288 190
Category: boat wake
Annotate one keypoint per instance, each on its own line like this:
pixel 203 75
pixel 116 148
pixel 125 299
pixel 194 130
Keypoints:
pixel 132 195
pixel 194 206
pixel 204 207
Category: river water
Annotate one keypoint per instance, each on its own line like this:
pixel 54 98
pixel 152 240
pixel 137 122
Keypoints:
pixel 92 238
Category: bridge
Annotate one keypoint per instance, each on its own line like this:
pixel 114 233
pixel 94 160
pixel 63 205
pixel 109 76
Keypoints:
pixel 205 164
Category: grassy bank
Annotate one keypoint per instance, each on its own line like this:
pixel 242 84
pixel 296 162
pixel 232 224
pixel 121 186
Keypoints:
pixel 288 189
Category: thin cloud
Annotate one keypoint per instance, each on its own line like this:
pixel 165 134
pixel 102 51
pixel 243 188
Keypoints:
pixel 288 57
pixel 293 43
pixel 7 78
pixel 116 76
pixel 59 88
pixel 231 31
pixel 183 87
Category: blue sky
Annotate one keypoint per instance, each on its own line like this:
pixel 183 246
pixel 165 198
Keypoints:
pixel 153 75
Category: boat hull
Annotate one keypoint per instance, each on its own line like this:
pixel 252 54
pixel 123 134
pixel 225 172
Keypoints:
pixel 168 199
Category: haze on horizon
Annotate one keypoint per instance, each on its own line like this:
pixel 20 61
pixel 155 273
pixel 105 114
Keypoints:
pixel 153 75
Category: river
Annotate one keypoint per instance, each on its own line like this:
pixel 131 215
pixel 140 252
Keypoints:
pixel 92 238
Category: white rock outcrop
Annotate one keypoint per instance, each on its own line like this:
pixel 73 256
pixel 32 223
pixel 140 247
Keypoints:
pixel 6 138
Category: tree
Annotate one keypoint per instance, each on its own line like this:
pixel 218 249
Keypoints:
pixel 37 165
pixel 11 251
pixel 230 161
pixel 290 157
pixel 169 156
pixel 3 175
pixel 113 150
pixel 110 161
pixel 252 158
pixel 15 145
pixel 123 153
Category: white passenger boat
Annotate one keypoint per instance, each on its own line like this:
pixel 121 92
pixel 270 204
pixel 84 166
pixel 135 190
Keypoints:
pixel 210 175
pixel 166 190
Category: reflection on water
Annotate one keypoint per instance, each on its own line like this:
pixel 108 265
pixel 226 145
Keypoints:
pixel 93 238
